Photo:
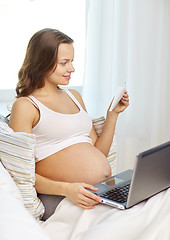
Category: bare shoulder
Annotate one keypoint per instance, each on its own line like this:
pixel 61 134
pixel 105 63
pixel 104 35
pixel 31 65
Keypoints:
pixel 78 96
pixel 22 115
pixel 22 102
pixel 75 93
pixel 23 106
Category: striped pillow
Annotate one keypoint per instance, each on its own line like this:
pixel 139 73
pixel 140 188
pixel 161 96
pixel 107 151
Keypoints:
pixel 98 124
pixel 17 155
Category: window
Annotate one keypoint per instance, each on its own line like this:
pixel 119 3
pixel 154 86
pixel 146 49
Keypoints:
pixel 20 19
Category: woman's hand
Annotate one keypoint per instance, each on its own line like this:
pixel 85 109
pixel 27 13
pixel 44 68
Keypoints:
pixel 122 104
pixel 78 194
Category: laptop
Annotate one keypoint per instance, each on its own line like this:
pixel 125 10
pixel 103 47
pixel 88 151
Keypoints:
pixel 150 176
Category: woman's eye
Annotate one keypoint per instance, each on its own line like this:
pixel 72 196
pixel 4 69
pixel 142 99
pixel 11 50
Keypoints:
pixel 63 63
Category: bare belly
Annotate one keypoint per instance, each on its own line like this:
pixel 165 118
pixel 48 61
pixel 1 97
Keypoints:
pixel 80 162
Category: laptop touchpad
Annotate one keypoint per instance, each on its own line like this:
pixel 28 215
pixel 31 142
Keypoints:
pixel 113 181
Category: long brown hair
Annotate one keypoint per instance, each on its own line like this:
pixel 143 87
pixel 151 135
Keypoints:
pixel 40 59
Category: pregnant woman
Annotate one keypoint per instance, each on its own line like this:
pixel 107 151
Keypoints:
pixel 70 157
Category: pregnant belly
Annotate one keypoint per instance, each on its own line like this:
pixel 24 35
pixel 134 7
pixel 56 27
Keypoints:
pixel 80 162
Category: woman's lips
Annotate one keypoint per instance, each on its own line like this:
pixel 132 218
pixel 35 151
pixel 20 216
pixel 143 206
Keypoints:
pixel 67 77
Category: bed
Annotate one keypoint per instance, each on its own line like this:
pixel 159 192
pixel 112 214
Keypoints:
pixel 22 210
pixel 149 220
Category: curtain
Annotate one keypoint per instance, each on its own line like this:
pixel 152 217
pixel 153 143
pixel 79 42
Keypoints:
pixel 129 41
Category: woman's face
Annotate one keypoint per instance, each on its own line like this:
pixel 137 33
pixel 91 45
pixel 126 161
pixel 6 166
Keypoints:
pixel 62 73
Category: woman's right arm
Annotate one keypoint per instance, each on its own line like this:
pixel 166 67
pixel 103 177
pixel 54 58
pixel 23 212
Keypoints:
pixel 76 192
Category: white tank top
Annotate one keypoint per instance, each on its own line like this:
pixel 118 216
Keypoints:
pixel 56 131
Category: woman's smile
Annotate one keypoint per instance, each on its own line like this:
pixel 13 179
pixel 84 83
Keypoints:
pixel 68 77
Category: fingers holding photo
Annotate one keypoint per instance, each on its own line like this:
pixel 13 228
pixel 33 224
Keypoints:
pixel 125 99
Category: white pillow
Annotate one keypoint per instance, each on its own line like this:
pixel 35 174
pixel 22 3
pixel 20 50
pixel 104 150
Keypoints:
pixel 17 155
pixel 15 221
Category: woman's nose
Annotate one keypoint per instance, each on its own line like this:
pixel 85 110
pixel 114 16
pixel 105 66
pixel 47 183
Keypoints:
pixel 71 68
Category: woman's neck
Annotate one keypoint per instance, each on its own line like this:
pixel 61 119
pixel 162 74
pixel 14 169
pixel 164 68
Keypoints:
pixel 47 90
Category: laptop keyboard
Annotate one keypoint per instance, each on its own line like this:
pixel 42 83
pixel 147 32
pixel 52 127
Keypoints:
pixel 119 194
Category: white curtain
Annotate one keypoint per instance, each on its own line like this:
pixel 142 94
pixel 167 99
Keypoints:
pixel 129 41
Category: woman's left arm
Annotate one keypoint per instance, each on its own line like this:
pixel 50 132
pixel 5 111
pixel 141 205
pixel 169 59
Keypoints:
pixel 104 141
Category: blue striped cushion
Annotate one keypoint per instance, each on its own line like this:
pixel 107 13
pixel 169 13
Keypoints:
pixel 17 155
pixel 98 124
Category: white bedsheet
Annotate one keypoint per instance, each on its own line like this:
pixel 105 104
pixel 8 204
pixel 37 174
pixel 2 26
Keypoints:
pixel 149 220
